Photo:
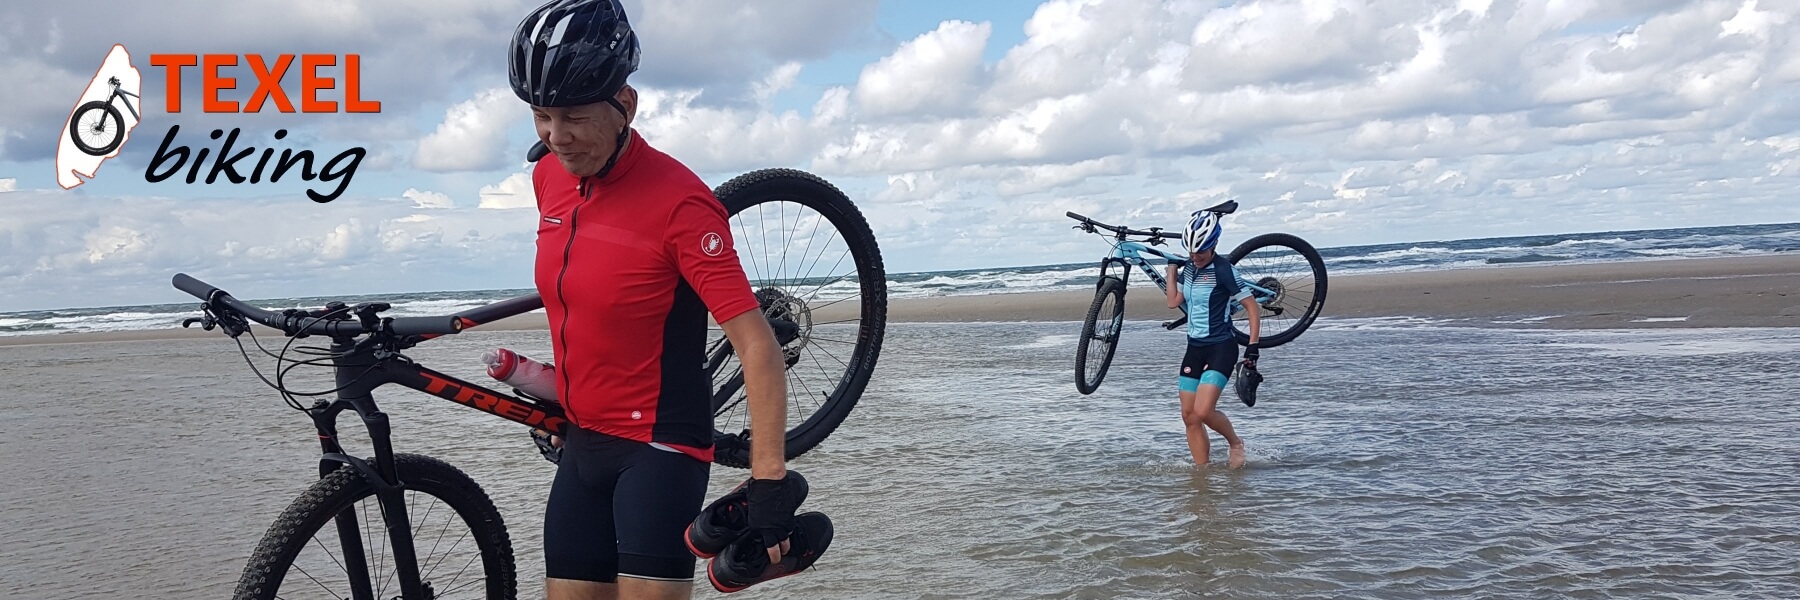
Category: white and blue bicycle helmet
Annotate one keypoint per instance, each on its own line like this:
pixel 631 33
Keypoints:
pixel 1202 232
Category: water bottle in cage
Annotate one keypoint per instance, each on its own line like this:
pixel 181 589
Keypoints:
pixel 521 372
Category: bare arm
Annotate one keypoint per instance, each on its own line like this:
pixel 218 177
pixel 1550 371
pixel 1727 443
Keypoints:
pixel 1174 291
pixel 1255 319
pixel 766 382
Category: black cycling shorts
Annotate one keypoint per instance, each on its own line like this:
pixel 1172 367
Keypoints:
pixel 1216 356
pixel 621 507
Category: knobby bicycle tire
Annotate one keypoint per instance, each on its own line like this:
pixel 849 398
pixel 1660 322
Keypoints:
pixel 109 111
pixel 342 489
pixel 1316 266
pixel 1110 288
pixel 759 188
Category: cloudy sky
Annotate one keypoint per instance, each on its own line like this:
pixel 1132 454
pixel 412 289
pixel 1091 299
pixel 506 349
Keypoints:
pixel 963 129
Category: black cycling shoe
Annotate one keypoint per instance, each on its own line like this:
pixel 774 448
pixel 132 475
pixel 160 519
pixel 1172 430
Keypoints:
pixel 1247 380
pixel 746 563
pixel 726 519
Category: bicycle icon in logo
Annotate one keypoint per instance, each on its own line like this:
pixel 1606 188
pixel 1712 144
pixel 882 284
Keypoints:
pixel 97 127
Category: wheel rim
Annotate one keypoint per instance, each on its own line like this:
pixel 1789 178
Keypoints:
pixel 449 558
pixel 1290 275
pixel 805 274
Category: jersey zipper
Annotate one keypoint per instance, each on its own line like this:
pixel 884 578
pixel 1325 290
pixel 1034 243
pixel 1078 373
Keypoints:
pixel 582 188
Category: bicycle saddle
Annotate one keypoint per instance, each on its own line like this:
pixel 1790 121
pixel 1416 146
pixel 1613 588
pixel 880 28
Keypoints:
pixel 1227 208
pixel 538 150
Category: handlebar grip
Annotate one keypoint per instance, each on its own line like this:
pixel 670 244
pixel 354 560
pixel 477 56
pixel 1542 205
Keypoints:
pixel 199 289
pixel 425 325
pixel 1074 216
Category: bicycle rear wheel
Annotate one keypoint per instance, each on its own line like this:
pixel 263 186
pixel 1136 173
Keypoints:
pixel 818 274
pixel 1100 335
pixel 461 544
pixel 1293 273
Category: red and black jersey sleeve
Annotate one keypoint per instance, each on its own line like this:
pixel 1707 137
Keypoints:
pixel 700 240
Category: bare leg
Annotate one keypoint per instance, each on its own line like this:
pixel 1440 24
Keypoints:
pixel 575 589
pixel 628 588
pixel 1204 409
pixel 1222 424
pixel 1198 444
pixel 631 588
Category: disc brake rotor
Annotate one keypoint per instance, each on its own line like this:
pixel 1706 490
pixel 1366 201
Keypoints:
pixel 782 306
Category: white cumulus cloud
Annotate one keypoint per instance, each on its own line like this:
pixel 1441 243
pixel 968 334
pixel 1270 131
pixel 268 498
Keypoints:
pixel 427 199
pixel 472 136
pixel 515 191
pixel 935 73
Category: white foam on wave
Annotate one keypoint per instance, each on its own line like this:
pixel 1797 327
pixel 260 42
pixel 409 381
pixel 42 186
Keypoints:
pixel 1682 342
pixel 1524 320
pixel 1048 341
pixel 1375 323
pixel 1659 320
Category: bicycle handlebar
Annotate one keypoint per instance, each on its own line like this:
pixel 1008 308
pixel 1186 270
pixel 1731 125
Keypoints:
pixel 1154 233
pixel 297 323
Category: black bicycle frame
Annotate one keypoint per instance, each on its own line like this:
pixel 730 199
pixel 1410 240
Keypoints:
pixel 116 92
pixel 360 369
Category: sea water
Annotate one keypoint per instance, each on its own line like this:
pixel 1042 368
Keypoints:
pixel 1386 460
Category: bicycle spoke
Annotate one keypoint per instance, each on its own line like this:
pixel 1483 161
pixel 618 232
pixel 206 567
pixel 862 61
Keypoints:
pixel 810 294
pixel 810 236
pixel 446 557
pixel 786 243
pixel 858 294
pixel 316 581
pixel 822 251
pixel 459 575
pixel 809 392
pixel 822 369
pixel 753 265
pixel 834 357
pixel 763 234
pixel 440 538
pixel 331 556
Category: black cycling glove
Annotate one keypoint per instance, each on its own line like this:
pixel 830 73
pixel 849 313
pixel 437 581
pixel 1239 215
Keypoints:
pixel 1251 354
pixel 771 510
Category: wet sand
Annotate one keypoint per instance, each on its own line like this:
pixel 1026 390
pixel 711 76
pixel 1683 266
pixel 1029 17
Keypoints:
pixel 1761 291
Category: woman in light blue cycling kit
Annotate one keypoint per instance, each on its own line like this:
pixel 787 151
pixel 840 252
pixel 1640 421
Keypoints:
pixel 1209 284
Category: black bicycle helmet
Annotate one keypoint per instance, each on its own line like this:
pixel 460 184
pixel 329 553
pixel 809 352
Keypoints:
pixel 573 52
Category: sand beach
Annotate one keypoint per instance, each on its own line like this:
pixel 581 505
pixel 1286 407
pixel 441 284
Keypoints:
pixel 1754 291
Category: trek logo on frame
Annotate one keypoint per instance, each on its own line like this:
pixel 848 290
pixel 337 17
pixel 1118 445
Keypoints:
pixel 97 129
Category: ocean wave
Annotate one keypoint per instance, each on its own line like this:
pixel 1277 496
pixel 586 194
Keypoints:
pixel 1753 240
pixel 1528 258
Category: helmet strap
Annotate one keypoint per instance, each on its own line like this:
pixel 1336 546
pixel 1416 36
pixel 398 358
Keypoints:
pixel 618 148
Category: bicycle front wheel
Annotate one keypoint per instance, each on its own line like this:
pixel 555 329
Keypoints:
pixel 1290 287
pixel 97 128
pixel 1100 335
pixel 817 273
pixel 333 541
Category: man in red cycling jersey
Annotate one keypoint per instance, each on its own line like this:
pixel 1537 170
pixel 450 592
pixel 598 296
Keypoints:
pixel 633 251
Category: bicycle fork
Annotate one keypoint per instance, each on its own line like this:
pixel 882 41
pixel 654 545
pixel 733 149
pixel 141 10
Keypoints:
pixel 351 365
